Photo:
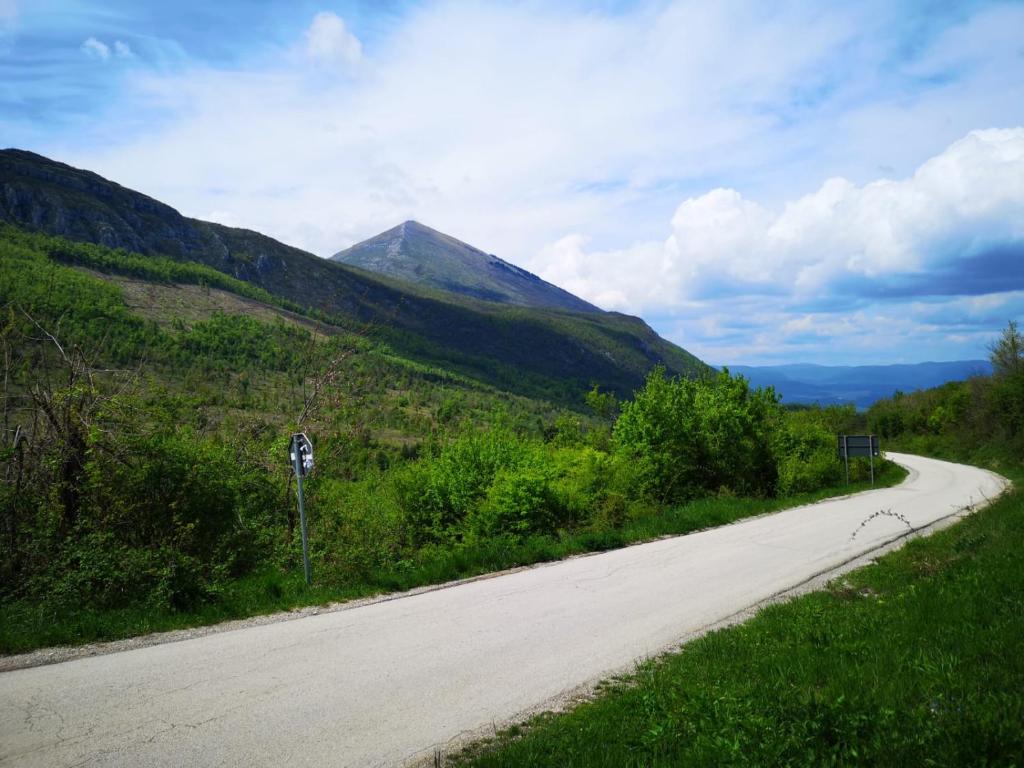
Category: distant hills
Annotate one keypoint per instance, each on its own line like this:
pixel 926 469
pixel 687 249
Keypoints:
pixel 419 254
pixel 515 332
pixel 861 385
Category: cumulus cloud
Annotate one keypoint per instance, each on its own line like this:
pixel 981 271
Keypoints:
pixel 122 50
pixel 640 273
pixel 956 226
pixel 328 41
pixel 95 49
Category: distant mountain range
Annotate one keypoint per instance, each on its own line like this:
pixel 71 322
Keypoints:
pixel 861 385
pixel 443 303
pixel 419 254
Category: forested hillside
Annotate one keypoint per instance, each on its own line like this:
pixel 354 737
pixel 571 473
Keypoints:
pixel 979 420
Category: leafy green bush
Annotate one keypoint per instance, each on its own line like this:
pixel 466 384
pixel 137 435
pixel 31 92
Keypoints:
pixel 165 518
pixel 806 451
pixel 693 437
pixel 441 491
pixel 357 529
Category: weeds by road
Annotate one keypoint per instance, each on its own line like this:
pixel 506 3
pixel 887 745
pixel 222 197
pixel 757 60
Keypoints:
pixel 24 626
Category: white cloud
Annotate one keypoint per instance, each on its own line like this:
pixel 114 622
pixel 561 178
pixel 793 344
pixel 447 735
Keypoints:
pixel 95 49
pixel 227 218
pixel 640 273
pixel 501 124
pixel 955 206
pixel 329 41
pixel 122 50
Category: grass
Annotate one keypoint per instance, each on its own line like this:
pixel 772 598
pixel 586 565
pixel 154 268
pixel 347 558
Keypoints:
pixel 915 660
pixel 25 626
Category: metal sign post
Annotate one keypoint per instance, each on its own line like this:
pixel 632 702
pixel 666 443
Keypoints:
pixel 301 455
pixel 859 445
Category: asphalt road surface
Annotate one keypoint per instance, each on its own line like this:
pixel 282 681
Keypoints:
pixel 387 683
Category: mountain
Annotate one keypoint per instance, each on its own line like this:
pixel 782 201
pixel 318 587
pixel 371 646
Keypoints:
pixel 419 254
pixel 533 350
pixel 861 385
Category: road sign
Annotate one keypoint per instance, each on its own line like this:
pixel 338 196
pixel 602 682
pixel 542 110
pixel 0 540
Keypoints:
pixel 859 445
pixel 851 446
pixel 300 444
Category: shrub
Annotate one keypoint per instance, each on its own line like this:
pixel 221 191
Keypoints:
pixel 693 437
pixel 806 453
pixel 357 528
pixel 519 501
pixel 439 492
pixel 166 518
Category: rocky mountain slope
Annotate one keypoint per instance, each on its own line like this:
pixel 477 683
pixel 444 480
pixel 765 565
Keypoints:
pixel 419 254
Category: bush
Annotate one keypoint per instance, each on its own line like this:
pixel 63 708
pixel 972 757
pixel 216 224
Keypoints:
pixel 806 453
pixel 356 529
pixel 581 482
pixel 439 492
pixel 519 501
pixel 694 437
pixel 166 518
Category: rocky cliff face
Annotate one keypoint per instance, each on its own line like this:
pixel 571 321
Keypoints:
pixel 56 198
pixel 47 196
pixel 52 197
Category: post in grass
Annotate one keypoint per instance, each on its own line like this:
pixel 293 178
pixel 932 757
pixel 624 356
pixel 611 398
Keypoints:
pixel 859 445
pixel 301 455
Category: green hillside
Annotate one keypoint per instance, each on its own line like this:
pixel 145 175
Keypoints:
pixel 533 351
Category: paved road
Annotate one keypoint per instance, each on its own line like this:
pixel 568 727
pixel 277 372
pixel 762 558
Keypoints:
pixel 383 683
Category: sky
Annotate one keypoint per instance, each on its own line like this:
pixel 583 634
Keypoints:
pixel 764 183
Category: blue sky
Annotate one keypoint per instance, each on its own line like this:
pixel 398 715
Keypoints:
pixel 763 183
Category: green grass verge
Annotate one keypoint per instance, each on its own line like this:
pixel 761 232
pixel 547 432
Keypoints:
pixel 915 660
pixel 25 626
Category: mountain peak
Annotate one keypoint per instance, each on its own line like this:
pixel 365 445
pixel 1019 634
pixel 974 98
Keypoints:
pixel 415 252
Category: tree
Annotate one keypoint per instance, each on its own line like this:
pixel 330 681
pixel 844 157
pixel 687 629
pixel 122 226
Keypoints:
pixel 604 404
pixel 1007 352
pixel 1006 394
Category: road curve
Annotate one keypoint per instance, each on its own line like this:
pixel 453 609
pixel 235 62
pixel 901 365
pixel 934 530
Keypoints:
pixel 385 683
